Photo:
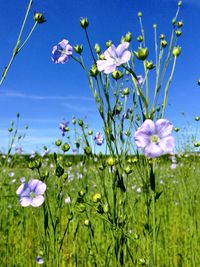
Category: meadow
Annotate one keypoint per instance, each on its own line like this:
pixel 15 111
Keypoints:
pixel 125 196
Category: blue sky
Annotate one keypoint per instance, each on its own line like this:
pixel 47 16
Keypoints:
pixel 44 93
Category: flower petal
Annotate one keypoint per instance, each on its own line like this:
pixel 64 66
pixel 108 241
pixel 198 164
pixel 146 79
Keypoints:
pixel 163 127
pixel 25 201
pixel 167 144
pixel 37 201
pixel 32 184
pixel 152 150
pixel 141 139
pixel 63 43
pixel 110 53
pixel 125 57
pixel 40 188
pixel 148 127
pixel 122 48
pixel 20 189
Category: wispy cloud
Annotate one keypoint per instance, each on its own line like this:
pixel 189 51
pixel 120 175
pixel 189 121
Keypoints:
pixel 44 97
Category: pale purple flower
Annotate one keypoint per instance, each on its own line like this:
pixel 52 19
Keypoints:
pixel 114 57
pixel 62 52
pixel 155 138
pixel 63 127
pixel 99 139
pixel 31 193
pixel 140 80
pixel 39 260
pixel 173 166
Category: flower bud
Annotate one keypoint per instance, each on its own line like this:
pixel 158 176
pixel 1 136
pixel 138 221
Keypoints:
pixel 198 82
pixel 97 48
pixel 90 132
pixel 128 37
pixel 162 36
pixel 58 142
pixel 10 129
pixel 122 40
pixel 197 144
pixel 117 75
pixel 197 118
pixel 176 51
pixel 149 65
pixel 81 193
pixel 59 171
pixel 101 57
pixel 179 3
pixel 105 208
pixel 84 23
pixel 142 53
pixel 108 43
pixel 139 14
pixel 94 71
pixel 39 18
pixel 178 33
pixel 140 38
pixel 65 147
pixel 176 129
pixel 173 21
pixel 111 161
pixel 179 24
pixel 163 43
pixel 126 91
pixel 154 26
pixel 80 122
pixel 87 150
pixel 128 170
pixel 127 133
pixel 74 121
pixel 78 49
pixel 96 197
pixel 87 222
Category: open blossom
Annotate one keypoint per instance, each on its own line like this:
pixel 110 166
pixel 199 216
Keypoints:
pixel 99 139
pixel 63 126
pixel 31 193
pixel 155 138
pixel 114 57
pixel 61 52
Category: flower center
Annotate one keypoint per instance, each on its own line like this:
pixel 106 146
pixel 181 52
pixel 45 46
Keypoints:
pixel 32 195
pixel 117 61
pixel 154 138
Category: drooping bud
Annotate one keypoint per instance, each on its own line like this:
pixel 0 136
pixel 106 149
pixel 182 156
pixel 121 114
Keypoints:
pixel 78 49
pixel 140 38
pixel 142 53
pixel 84 23
pixel 149 65
pixel 97 48
pixel 108 43
pixel 39 18
pixel 128 37
pixel 176 51
pixel 117 75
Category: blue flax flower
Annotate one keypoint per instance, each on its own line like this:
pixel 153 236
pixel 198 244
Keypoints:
pixel 99 139
pixel 61 52
pixel 114 57
pixel 31 193
pixel 155 138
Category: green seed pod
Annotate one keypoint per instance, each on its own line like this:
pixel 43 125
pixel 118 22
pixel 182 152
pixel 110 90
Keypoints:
pixel 142 53
pixel 197 144
pixel 90 132
pixel 178 33
pixel 117 75
pixel 176 129
pixel 139 14
pixel 10 129
pixel 197 118
pixel 140 38
pixel 58 142
pixel 78 49
pixel 84 23
pixel 80 122
pixel 176 51
pixel 163 43
pixel 162 36
pixel 65 147
pixel 180 3
pixel 39 18
pixel 198 82
pixel 149 65
pixel 179 24
pixel 111 161
pixel 87 222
